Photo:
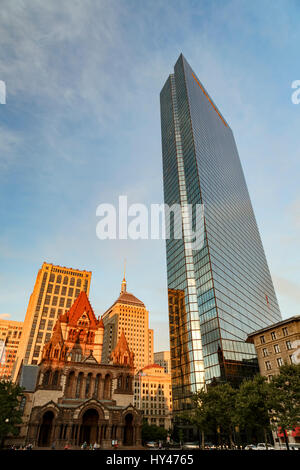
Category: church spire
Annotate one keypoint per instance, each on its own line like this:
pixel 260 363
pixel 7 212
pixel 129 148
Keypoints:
pixel 124 284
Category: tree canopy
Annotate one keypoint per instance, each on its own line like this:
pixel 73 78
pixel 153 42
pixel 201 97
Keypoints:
pixel 10 413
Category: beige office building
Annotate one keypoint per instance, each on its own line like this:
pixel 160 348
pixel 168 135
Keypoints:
pixel 130 315
pixel 56 289
pixel 153 395
pixel 10 335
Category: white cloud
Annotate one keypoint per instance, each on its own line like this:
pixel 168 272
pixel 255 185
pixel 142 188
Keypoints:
pixel 5 316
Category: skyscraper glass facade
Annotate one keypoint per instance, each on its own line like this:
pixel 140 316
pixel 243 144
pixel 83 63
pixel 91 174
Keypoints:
pixel 223 291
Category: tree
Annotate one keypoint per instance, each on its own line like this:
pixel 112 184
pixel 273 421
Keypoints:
pixel 285 399
pixel 153 432
pixel 10 413
pixel 199 416
pixel 214 411
pixel 252 405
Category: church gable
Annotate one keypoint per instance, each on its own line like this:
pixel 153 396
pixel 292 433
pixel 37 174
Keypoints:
pixel 81 313
pixel 122 355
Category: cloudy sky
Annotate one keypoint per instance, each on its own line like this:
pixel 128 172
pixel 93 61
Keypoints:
pixel 81 126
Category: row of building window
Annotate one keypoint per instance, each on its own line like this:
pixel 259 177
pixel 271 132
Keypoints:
pixel 273 335
pixel 265 351
pixel 279 361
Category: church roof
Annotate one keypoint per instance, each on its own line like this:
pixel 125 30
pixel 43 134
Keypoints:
pixel 57 336
pixel 122 344
pixel 79 307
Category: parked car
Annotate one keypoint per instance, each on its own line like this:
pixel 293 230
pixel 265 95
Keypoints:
pixel 151 444
pixel 294 446
pixel 250 447
pixel 262 446
pixel 190 445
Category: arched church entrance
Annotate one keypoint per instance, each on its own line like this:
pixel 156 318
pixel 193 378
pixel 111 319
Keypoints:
pixel 128 430
pixel 46 429
pixel 89 427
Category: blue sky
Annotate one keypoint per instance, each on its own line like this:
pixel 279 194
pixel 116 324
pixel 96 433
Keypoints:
pixel 81 126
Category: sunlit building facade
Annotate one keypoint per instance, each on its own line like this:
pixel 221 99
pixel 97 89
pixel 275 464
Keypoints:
pixel 10 334
pixel 55 291
pixel 153 395
pixel 128 315
pixel 222 291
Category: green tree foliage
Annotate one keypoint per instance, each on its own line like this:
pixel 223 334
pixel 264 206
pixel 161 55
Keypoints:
pixel 252 405
pixel 221 409
pixel 153 433
pixel 213 411
pixel 10 414
pixel 285 398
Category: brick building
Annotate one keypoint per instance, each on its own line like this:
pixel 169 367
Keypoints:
pixel 276 345
pixel 77 398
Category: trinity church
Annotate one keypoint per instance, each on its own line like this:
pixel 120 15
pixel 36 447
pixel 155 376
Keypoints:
pixel 77 398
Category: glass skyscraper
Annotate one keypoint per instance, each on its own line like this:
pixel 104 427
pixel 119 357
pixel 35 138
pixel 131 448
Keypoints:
pixel 223 291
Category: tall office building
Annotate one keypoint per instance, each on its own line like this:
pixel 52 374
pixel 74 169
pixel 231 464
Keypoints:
pixel 222 291
pixel 55 291
pixel 129 315
pixel 10 334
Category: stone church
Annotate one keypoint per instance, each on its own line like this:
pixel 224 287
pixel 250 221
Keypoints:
pixel 77 398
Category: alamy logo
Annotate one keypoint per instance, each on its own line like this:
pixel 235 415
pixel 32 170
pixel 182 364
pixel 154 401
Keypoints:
pixel 161 222
pixel 296 95
pixel 2 92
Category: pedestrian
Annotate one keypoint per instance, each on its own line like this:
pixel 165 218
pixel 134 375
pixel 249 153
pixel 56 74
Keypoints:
pixel 53 446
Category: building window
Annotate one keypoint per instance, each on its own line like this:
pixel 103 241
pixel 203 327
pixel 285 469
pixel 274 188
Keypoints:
pixel 288 345
pixel 280 362
pixel 292 359
pixel 273 335
pixel 262 340
pixel 268 365
pixel 265 352
pixel 22 405
pixel 276 348
pixel 285 331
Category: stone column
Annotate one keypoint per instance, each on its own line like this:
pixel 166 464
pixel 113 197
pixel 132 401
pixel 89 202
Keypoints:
pixel 106 442
pixel 92 386
pixel 82 387
pixel 138 439
pixel 100 388
pixel 119 434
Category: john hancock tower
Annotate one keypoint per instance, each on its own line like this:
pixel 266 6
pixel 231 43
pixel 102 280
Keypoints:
pixel 223 291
